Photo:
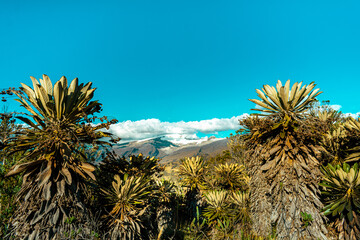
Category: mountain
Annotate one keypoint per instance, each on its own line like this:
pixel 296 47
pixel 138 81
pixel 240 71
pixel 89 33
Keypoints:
pixel 168 151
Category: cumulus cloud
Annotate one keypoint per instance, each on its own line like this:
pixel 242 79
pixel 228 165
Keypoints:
pixel 336 107
pixel 150 128
pixel 182 132
pixel 353 115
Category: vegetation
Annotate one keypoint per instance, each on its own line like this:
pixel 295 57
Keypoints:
pixel 8 186
pixel 283 159
pixel 290 172
pixel 54 170
pixel 128 198
pixel 342 196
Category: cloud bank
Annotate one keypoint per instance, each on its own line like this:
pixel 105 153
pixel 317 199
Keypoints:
pixel 175 131
pixel 338 107
pixel 182 132
pixel 353 115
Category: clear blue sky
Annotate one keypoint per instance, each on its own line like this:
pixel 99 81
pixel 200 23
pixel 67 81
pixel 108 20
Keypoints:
pixel 183 60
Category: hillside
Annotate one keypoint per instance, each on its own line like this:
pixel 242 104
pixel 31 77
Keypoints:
pixel 170 152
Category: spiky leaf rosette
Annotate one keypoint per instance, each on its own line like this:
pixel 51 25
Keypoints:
pixel 283 100
pixel 341 192
pixel 54 168
pixel 353 126
pixel 231 176
pixel 218 206
pixel 328 115
pixel 191 171
pixel 282 151
pixel 138 166
pixel 335 141
pixel 227 206
pixel 134 165
pixel 335 137
pixel 240 203
pixel 128 198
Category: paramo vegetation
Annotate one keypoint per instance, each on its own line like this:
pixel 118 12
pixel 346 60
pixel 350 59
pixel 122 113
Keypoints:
pixel 291 172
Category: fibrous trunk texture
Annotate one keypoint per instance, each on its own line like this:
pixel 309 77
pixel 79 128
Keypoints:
pixel 283 185
pixel 260 203
pixel 292 195
pixel 60 215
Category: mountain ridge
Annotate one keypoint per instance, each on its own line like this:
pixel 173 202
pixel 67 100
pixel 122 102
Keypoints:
pixel 168 151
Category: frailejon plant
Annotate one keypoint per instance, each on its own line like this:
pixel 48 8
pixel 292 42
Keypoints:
pixel 227 211
pixel 335 141
pixel 353 126
pixel 191 172
pixel 192 176
pixel 240 203
pixel 282 153
pixel 54 169
pixel 231 176
pixel 218 206
pixel 341 192
pixel 128 199
pixel 134 165
pixel 161 200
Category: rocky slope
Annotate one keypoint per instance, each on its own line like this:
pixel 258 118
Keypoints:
pixel 170 152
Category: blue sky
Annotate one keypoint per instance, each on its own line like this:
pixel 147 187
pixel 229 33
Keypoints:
pixel 183 60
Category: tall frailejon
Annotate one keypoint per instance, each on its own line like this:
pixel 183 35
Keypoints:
pixel 282 158
pixel 53 165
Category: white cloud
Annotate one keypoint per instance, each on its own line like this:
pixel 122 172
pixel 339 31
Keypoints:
pixel 336 107
pixel 182 132
pixel 176 131
pixel 353 115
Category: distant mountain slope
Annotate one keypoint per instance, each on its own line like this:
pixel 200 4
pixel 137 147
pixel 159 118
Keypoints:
pixel 170 152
